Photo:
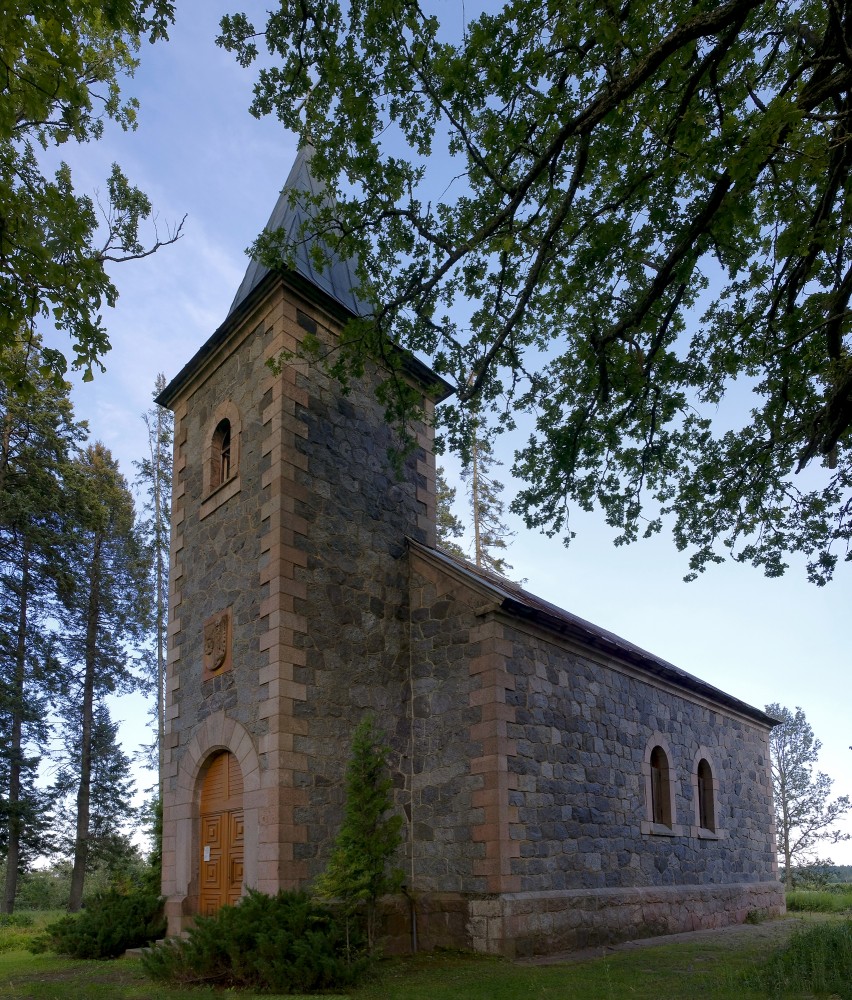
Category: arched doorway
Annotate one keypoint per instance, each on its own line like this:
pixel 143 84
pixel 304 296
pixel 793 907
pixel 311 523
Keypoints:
pixel 222 834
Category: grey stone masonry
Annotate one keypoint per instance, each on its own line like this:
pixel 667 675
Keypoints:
pixel 560 840
pixel 301 550
pixel 582 727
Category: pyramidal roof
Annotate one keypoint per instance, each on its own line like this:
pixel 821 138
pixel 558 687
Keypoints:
pixel 337 279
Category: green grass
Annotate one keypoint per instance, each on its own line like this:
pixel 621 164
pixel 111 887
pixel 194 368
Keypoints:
pixel 819 901
pixel 714 968
pixel 818 960
pixel 17 929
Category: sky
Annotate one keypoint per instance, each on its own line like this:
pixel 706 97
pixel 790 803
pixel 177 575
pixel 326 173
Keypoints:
pixel 198 152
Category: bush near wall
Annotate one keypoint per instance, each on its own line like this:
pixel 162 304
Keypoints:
pixel 285 943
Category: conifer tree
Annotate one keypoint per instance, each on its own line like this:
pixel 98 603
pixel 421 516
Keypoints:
pixel 37 436
pixel 490 533
pixel 357 871
pixel 108 608
pixel 448 525
pixel 111 788
pixel 154 477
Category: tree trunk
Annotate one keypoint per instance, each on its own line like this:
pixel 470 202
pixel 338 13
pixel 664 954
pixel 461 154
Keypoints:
pixel 81 841
pixel 474 491
pixel 785 831
pixel 13 851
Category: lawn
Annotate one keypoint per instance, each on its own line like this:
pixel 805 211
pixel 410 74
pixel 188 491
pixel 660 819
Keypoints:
pixel 714 967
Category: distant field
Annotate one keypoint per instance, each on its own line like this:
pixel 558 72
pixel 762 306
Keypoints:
pixel 836 900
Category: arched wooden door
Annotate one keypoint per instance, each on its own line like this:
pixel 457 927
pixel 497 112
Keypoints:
pixel 222 832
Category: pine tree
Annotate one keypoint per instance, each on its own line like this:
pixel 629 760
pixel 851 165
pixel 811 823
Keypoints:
pixel 37 435
pixel 490 533
pixel 154 476
pixel 357 871
pixel 448 525
pixel 108 607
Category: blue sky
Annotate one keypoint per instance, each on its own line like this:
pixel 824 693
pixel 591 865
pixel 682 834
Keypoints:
pixel 198 152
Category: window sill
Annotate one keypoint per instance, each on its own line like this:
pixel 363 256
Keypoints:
pixel 220 495
pixel 661 830
pixel 701 833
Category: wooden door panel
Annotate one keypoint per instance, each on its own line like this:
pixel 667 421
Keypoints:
pixel 222 834
pixel 211 831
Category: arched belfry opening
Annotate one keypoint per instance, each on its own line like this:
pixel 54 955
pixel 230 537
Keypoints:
pixel 222 838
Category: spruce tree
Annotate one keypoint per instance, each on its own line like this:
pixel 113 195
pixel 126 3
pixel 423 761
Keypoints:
pixel 448 525
pixel 490 533
pixel 111 789
pixel 357 872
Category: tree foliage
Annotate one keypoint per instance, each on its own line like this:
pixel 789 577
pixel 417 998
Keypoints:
pixel 62 65
pixel 38 435
pixel 805 815
pixel 357 871
pixel 449 527
pixel 107 610
pixel 154 477
pixel 628 222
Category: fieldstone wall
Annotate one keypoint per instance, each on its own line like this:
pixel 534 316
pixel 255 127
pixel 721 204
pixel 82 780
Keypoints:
pixel 446 785
pixel 582 729
pixel 357 510
pixel 541 923
pixel 216 552
pixel 558 850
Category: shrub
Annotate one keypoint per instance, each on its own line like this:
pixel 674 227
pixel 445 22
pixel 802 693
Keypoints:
pixel 285 943
pixel 817 960
pixel 110 925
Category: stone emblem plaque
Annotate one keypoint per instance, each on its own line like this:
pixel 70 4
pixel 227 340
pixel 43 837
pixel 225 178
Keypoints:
pixel 217 644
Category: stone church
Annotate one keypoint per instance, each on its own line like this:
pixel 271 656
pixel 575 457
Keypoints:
pixel 560 786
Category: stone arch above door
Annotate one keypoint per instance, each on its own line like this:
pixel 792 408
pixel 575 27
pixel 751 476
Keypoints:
pixel 181 813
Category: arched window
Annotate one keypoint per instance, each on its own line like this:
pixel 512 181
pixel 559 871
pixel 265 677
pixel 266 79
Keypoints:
pixel 661 810
pixel 706 804
pixel 220 457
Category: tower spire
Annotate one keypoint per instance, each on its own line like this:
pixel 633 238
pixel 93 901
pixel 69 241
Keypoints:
pixel 338 278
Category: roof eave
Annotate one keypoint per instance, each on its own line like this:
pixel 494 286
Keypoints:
pixel 437 388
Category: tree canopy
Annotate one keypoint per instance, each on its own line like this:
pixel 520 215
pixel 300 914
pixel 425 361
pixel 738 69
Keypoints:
pixel 62 66
pixel 625 227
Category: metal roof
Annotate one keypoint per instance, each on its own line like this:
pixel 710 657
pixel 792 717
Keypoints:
pixel 516 601
pixel 337 279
